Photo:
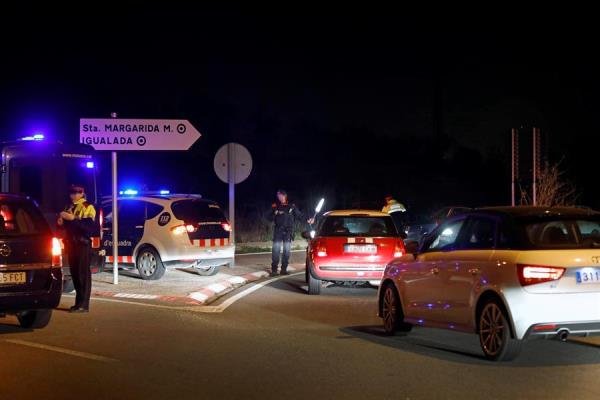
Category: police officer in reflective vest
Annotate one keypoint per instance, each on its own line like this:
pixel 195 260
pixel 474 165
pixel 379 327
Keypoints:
pixel 395 209
pixel 284 216
pixel 79 222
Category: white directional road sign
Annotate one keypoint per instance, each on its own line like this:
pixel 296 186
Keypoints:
pixel 137 134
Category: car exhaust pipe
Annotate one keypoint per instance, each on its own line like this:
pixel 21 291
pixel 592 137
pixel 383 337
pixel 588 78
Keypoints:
pixel 562 335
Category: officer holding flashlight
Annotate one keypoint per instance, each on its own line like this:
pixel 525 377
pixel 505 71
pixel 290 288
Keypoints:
pixel 79 223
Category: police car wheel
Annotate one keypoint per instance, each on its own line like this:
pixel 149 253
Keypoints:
pixel 149 264
pixel 210 271
pixel 34 319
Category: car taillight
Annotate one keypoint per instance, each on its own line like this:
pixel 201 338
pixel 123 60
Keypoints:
pixel 181 229
pixel 399 250
pixel 226 226
pixel 320 249
pixel 56 253
pixel 532 274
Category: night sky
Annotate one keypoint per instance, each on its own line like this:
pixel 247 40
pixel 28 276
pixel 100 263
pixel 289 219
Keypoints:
pixel 352 107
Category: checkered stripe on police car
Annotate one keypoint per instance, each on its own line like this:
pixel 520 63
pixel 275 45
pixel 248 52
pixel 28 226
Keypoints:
pixel 211 242
pixel 121 259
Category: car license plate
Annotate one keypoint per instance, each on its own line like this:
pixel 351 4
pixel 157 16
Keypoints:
pixel 360 248
pixel 588 275
pixel 12 278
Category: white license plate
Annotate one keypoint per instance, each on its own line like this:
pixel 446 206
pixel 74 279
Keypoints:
pixel 12 278
pixel 361 248
pixel 588 275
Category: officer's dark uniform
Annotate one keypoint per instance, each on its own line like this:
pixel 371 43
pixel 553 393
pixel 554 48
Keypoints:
pixel 78 245
pixel 284 217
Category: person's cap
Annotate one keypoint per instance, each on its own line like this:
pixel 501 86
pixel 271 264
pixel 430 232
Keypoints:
pixel 281 191
pixel 76 189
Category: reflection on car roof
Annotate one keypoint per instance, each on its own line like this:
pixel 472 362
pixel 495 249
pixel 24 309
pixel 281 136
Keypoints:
pixel 537 211
pixel 356 213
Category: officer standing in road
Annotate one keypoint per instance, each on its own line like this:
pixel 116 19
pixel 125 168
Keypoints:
pixel 284 215
pixel 79 223
pixel 395 209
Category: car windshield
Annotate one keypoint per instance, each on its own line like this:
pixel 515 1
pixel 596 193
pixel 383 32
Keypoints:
pixel 21 218
pixel 197 211
pixel 358 226
pixel 564 233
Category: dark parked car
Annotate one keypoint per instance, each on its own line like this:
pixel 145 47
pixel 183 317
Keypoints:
pixel 30 263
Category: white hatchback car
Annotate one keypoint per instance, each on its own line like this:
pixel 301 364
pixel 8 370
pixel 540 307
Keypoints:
pixel 178 230
pixel 505 273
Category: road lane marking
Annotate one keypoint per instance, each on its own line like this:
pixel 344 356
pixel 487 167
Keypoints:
pixel 74 353
pixel 223 306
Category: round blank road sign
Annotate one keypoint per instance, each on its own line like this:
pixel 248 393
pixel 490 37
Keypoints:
pixel 242 162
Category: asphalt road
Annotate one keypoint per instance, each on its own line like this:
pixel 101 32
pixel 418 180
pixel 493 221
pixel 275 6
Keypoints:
pixel 273 342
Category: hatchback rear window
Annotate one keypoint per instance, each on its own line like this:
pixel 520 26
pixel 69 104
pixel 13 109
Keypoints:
pixel 358 226
pixel 564 233
pixel 21 218
pixel 197 211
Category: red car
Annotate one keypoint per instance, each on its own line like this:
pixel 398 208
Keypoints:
pixel 351 245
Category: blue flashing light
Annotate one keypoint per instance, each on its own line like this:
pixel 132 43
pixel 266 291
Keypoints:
pixel 165 192
pixel 129 192
pixel 89 164
pixel 37 136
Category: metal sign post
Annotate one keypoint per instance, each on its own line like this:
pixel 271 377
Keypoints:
pixel 133 134
pixel 115 220
pixel 231 182
pixel 115 212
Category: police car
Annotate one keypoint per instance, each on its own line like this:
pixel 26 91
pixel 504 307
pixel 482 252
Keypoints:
pixel 163 230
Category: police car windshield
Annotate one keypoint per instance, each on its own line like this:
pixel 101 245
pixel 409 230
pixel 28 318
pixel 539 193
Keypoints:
pixel 358 226
pixel 190 210
pixel 21 218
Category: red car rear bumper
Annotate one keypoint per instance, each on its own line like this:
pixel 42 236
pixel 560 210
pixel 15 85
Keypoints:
pixel 346 271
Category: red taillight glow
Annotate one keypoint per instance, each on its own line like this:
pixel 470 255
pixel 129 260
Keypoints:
pixel 226 227
pixel 319 248
pixel 532 274
pixel 399 251
pixel 56 253
pixel 181 229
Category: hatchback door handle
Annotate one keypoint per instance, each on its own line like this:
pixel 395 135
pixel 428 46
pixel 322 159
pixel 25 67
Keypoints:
pixel 435 270
pixel 474 271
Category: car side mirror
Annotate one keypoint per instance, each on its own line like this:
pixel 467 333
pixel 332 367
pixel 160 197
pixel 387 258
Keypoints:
pixel 412 247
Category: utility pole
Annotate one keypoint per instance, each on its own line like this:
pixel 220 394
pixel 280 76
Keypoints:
pixel 514 163
pixel 536 162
